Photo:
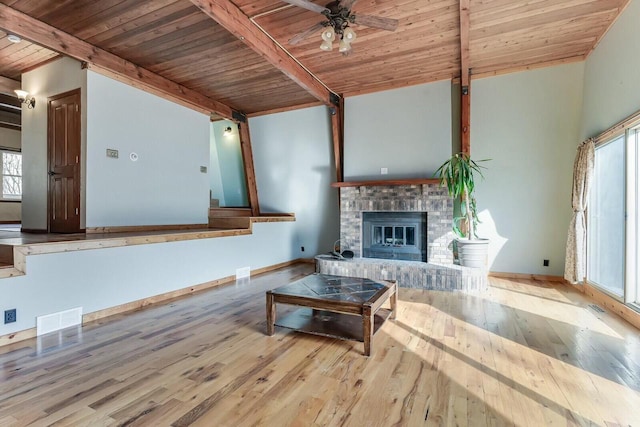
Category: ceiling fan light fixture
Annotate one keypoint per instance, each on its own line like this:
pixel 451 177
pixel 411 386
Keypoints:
pixel 348 34
pixel 326 45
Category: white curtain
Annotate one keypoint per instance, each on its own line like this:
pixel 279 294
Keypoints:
pixel 576 255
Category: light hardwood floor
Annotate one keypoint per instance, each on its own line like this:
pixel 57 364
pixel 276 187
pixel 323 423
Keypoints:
pixel 524 353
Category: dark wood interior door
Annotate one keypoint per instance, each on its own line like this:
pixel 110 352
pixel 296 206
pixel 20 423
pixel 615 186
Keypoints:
pixel 64 162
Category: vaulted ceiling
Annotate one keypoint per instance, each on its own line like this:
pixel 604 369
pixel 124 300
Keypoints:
pixel 181 45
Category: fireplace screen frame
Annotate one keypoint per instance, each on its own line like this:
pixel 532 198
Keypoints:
pixel 388 247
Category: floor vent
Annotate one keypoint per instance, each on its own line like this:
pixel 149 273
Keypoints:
pixel 243 273
pixel 597 308
pixel 56 321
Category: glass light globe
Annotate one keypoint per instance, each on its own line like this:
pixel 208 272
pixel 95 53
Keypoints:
pixel 328 34
pixel 326 45
pixel 349 35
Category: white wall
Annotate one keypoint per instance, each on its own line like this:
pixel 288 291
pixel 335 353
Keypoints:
pixel 612 82
pixel 294 168
pixel 165 185
pixel 102 278
pixel 528 124
pixel 406 130
pixel 51 79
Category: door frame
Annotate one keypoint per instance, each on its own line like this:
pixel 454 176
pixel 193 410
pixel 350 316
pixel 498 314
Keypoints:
pixel 78 186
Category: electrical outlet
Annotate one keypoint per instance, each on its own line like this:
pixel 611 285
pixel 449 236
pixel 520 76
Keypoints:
pixel 112 153
pixel 203 169
pixel 10 316
pixel 545 263
pixel 384 171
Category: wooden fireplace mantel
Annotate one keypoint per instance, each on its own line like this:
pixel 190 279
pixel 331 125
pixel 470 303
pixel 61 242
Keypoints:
pixel 377 183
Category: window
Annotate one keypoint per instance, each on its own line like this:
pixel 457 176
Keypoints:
pixel 614 217
pixel 11 175
pixel 606 218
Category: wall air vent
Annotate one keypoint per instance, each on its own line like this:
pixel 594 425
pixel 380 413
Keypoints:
pixel 60 320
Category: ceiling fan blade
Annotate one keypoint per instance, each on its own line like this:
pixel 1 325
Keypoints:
pixel 303 35
pixel 307 5
pixel 347 4
pixel 376 22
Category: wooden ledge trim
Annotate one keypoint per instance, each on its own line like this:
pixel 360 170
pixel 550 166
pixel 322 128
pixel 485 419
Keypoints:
pixel 280 217
pixel 378 183
pixel 10 272
pixel 246 222
pixel 136 228
pixel 114 242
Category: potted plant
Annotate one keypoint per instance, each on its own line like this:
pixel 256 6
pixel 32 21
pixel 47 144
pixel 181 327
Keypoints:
pixel 457 174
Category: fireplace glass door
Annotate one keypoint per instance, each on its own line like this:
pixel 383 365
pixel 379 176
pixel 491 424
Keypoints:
pixel 394 235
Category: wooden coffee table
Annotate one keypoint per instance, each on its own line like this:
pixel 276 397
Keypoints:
pixel 334 306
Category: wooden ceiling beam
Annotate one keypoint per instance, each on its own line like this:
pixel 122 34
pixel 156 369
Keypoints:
pixel 465 116
pixel 228 15
pixel 20 24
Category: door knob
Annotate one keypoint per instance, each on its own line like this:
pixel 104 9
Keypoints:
pixel 52 173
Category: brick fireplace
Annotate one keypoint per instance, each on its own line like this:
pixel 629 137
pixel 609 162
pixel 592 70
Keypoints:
pixel 427 197
pixel 431 199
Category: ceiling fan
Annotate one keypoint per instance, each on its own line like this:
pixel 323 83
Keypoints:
pixel 339 16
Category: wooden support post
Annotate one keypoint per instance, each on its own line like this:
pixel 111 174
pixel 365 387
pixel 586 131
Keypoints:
pixel 337 133
pixel 249 172
pixel 271 314
pixel 465 129
pixel 465 117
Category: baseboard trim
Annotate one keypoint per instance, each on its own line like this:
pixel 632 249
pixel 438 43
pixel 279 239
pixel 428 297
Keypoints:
pixel 156 299
pixel 18 336
pixel 145 302
pixel 613 305
pixel 141 303
pixel 538 277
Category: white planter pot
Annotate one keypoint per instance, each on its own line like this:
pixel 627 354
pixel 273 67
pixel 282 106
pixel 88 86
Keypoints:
pixel 473 253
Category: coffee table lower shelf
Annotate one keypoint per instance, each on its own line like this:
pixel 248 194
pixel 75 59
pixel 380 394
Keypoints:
pixel 330 324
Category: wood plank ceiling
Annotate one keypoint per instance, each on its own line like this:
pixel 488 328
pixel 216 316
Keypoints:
pixel 176 40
